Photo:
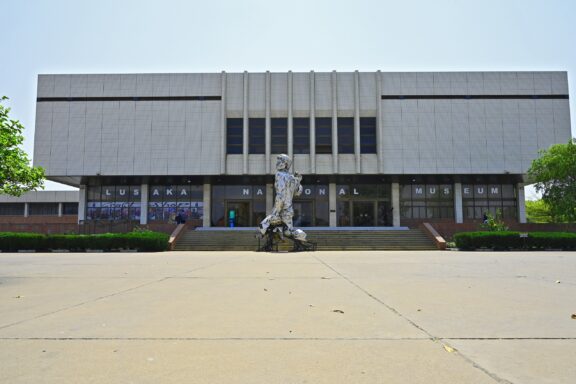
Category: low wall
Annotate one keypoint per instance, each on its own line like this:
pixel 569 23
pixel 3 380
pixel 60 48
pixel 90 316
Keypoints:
pixel 69 225
pixel 39 224
pixel 447 230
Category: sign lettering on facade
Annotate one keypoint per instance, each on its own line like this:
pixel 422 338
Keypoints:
pixel 492 191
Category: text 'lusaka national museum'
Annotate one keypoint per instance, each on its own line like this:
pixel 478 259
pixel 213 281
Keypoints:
pixel 375 148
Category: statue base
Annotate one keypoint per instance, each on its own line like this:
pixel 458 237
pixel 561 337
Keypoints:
pixel 275 234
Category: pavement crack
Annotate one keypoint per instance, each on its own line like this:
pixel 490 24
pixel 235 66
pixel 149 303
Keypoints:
pixel 433 338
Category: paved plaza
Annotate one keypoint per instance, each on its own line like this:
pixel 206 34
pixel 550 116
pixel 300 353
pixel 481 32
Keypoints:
pixel 321 317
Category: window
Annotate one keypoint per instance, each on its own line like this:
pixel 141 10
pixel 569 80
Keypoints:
pixel 166 201
pixel 301 134
pixel 478 199
pixel 113 202
pixel 311 208
pixel 323 135
pixel 345 135
pixel 279 132
pixel 426 201
pixel 256 136
pixel 69 208
pixel 43 209
pixel 234 136
pixel 367 135
pixel 11 209
pixel 238 205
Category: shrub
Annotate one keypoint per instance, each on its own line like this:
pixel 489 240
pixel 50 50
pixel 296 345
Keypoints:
pixel 494 223
pixel 142 241
pixel 512 240
pixel 12 241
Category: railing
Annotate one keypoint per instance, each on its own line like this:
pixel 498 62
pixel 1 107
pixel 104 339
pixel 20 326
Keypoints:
pixel 438 240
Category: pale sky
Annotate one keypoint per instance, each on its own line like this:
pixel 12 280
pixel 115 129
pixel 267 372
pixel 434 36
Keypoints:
pixel 135 36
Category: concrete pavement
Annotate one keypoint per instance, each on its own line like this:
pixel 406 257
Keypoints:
pixel 322 317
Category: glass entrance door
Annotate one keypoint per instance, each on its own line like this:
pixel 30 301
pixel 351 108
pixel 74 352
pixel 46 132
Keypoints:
pixel 238 214
pixel 363 213
pixel 384 214
pixel 303 213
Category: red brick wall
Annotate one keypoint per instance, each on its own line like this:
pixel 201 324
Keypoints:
pixel 39 224
pixel 69 224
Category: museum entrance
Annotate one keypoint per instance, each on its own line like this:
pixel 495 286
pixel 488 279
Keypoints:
pixel 363 205
pixel 238 214
pixel 364 214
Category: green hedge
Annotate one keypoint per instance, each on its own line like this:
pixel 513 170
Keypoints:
pixel 512 240
pixel 142 241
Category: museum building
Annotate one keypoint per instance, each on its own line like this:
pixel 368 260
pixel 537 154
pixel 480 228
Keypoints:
pixel 375 148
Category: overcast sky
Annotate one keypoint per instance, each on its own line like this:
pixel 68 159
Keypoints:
pixel 133 36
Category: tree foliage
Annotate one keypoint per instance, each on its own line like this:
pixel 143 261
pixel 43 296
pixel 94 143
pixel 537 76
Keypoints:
pixel 554 173
pixel 538 212
pixel 16 174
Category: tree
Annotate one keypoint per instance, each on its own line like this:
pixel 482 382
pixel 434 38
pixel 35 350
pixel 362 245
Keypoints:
pixel 16 174
pixel 554 173
pixel 538 212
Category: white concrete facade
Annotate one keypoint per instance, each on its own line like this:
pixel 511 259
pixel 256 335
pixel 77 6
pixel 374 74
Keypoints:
pixel 89 125
pixel 43 197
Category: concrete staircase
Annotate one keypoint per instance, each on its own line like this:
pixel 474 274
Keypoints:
pixel 326 240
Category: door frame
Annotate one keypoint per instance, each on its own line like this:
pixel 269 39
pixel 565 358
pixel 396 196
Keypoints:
pixel 232 201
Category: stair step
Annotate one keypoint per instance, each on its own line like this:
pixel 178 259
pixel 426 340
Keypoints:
pixel 412 239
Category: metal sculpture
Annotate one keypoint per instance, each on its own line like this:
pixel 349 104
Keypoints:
pixel 278 225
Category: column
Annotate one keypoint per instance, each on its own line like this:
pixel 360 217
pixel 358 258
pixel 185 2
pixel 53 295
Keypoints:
pixel 60 209
pixel 82 204
pixel 245 126
pixel 379 122
pixel 312 123
pixel 458 213
pixel 332 203
pixel 26 209
pixel 521 203
pixel 223 123
pixel 334 122
pixel 396 204
pixel 143 204
pixel 269 198
pixel 207 201
pixel 357 121
pixel 290 117
pixel 268 131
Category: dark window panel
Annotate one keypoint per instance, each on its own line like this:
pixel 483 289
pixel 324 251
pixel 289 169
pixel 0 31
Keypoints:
pixel 43 209
pixel 301 134
pixel 279 135
pixel 367 135
pixel 69 208
pixel 323 135
pixel 256 136
pixel 11 209
pixel 345 135
pixel 234 136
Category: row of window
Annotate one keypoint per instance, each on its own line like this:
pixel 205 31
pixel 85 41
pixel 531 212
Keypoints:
pixel 37 209
pixel 436 201
pixel 301 135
